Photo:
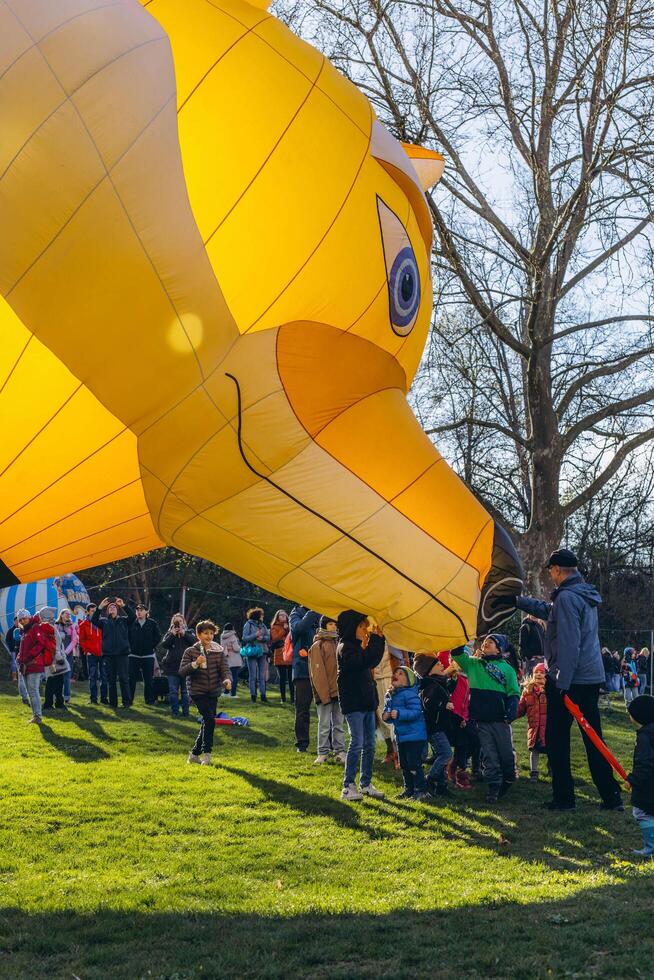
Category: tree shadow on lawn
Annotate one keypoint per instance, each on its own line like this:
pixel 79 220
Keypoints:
pixel 77 749
pixel 582 936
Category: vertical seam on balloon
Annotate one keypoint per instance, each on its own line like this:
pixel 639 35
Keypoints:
pixel 69 544
pixel 319 243
pixel 73 513
pixel 267 158
pixel 62 476
pixel 17 361
pixel 45 425
pixel 326 520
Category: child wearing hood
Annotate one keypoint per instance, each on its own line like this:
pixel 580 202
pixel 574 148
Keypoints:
pixel 494 696
pixel 403 709
pixel 360 650
pixel 533 704
pixel 323 675
pixel 641 779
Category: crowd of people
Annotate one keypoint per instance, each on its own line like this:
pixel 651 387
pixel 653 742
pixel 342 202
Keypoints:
pixel 445 716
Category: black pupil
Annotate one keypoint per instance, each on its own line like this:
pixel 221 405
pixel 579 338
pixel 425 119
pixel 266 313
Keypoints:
pixel 406 286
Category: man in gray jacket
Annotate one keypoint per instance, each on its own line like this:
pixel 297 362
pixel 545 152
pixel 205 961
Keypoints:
pixel 574 661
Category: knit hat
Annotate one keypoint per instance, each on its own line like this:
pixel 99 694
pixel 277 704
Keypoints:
pixel 500 640
pixel 444 657
pixel 628 650
pixel 47 614
pixel 540 666
pixel 642 709
pixel 23 614
pixel 326 619
pixel 347 623
pixel 409 674
pixel 423 663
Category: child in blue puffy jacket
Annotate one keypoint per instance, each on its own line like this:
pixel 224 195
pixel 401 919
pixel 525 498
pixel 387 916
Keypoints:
pixel 403 709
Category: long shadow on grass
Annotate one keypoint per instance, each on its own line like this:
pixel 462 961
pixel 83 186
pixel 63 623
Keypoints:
pixel 582 936
pixel 87 720
pixel 310 804
pixel 77 749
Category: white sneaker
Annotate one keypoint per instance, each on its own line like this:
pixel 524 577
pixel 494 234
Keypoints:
pixel 318 761
pixel 206 759
pixel 341 757
pixel 193 758
pixel 34 720
pixel 351 793
pixel 370 790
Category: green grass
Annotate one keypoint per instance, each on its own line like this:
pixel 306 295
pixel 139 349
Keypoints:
pixel 119 860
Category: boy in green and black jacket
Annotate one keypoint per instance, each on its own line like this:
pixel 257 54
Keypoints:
pixel 494 697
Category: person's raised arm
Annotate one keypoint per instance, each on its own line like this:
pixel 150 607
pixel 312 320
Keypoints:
pixel 535 607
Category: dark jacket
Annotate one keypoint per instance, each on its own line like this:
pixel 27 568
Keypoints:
pixel 434 697
pixel 642 776
pixel 494 691
pixel 572 647
pixel 531 642
pixel 304 624
pixel 357 690
pixel 143 639
pixel 115 632
pixel 175 644
pixel 209 679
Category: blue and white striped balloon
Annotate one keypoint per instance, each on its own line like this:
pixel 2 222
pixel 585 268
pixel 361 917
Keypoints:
pixel 60 592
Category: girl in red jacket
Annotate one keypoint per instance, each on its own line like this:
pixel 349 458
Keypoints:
pixel 533 704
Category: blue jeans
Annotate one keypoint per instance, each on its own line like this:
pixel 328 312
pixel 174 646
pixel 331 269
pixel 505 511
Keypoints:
pixel 175 684
pixel 257 671
pixel 22 687
pixel 32 683
pixel 97 673
pixel 443 752
pixel 234 671
pixel 643 684
pixel 67 677
pixel 361 748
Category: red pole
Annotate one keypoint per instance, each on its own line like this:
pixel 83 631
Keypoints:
pixel 601 746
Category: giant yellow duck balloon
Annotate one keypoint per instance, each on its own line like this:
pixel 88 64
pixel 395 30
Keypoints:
pixel 215 279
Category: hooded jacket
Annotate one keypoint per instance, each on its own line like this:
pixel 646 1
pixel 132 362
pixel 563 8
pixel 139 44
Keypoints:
pixel 357 690
pixel 534 706
pixel 231 646
pixel 90 638
pixel 175 644
pixel 409 726
pixel 494 691
pixel 531 641
pixel 642 776
pixel 209 679
pixel 572 647
pixel 304 624
pixel 37 642
pixel 323 669
pixel 434 697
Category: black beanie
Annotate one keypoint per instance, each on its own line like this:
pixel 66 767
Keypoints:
pixel 642 709
pixel 423 663
pixel 347 624
pixel 324 620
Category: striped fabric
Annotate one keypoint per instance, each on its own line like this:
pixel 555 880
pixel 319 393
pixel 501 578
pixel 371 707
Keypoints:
pixel 62 592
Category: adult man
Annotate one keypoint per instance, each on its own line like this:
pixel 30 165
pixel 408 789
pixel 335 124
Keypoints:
pixel 144 637
pixel 115 646
pixel 304 623
pixel 574 662
pixel 90 641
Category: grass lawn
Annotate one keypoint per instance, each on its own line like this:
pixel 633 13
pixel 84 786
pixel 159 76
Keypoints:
pixel 119 860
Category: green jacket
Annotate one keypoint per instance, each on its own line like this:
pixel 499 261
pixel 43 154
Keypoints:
pixel 494 690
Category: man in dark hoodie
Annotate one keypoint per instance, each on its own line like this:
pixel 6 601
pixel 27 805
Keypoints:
pixel 574 661
pixel 303 623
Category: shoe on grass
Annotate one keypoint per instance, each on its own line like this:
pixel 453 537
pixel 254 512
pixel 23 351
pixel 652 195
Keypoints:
pixel 193 758
pixel 424 797
pixel 533 777
pixel 206 759
pixel 370 790
pixel 492 796
pixel 35 720
pixel 318 761
pixel 555 806
pixel 505 787
pixel 617 806
pixel 404 795
pixel 25 701
pixel 341 757
pixel 351 793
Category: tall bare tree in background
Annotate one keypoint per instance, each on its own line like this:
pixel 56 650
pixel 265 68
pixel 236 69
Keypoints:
pixel 537 382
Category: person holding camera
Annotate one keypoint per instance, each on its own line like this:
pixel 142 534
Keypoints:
pixel 176 641
pixel 112 617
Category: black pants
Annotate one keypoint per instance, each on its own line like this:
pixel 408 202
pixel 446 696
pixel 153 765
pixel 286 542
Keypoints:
pixel 466 741
pixel 557 739
pixel 410 755
pixel 54 691
pixel 117 670
pixel 286 674
pixel 142 667
pixel 303 699
pixel 206 705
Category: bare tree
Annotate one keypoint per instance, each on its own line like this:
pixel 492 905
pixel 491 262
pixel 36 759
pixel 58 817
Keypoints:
pixel 543 251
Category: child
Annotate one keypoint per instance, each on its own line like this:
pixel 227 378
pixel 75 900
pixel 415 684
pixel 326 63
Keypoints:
pixel 323 672
pixel 494 695
pixel 533 704
pixel 403 708
pixel 437 707
pixel 641 779
pixel 206 664
pixel 464 731
pixel 359 651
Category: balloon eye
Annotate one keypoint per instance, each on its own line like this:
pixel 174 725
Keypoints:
pixel 404 291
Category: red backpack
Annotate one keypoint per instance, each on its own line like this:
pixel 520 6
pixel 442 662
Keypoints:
pixel 287 651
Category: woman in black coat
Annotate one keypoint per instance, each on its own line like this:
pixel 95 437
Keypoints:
pixel 178 638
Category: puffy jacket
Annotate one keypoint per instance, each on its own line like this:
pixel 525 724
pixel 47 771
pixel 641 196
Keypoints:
pixel 323 669
pixel 209 679
pixel 38 639
pixel 115 632
pixel 434 698
pixel 278 634
pixel 304 624
pixel 572 647
pixel 90 638
pixel 357 690
pixel 175 644
pixel 231 646
pixel 409 726
pixel 494 690
pixel 143 638
pixel 460 697
pixel 534 706
pixel 642 776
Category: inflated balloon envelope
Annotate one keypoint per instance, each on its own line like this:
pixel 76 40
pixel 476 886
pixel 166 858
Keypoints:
pixel 216 279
